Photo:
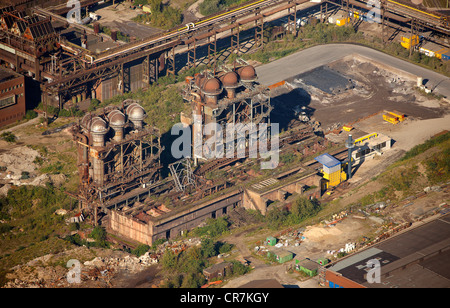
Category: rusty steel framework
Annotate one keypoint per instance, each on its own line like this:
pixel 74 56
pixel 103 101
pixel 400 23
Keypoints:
pixel 395 13
pixel 67 72
pixel 26 40
pixel 118 156
pixel 223 97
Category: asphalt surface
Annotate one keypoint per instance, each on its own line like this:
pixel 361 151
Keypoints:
pixel 316 56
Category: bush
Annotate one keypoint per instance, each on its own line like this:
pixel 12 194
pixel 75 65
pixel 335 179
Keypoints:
pixel 99 235
pixel 209 7
pixel 301 209
pixel 30 114
pixel 438 167
pixel 8 137
pixel 162 16
pixel 94 104
pixel 140 250
pixel 213 228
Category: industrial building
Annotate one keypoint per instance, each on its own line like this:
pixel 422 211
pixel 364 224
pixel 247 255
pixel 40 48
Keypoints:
pixel 332 170
pixel 12 97
pixel 369 145
pixel 413 258
pixel 172 206
pixel 229 96
pixel 73 63
pixel 307 266
pixel 118 156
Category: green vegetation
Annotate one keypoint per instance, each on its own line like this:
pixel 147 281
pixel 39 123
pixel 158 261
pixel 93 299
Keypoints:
pixel 184 270
pixel 426 145
pixel 31 225
pixel 162 103
pixel 140 2
pixel 403 177
pixel 214 227
pixel 308 36
pixel 209 7
pixel 30 114
pixel 301 209
pixel 162 16
pixel 53 111
pixel 140 250
pixel 438 165
pixel 8 137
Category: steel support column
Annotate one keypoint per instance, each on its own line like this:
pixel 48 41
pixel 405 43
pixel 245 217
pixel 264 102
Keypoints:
pixel 212 49
pixel 235 47
pixel 292 17
pixel 259 33
pixel 191 53
pixel 171 61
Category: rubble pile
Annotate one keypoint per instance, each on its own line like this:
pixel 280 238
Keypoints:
pixel 98 272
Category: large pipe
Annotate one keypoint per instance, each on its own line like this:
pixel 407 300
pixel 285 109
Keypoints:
pixel 350 145
pixel 98 129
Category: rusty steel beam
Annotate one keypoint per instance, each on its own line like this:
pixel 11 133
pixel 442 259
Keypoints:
pixel 82 77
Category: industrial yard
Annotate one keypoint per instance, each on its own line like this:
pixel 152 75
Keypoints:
pixel 356 157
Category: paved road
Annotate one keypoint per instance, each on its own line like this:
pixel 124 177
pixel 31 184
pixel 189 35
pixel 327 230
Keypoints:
pixel 310 58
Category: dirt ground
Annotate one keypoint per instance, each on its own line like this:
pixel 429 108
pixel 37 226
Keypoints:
pixel 119 17
pixel 374 90
pixel 318 241
pixel 21 156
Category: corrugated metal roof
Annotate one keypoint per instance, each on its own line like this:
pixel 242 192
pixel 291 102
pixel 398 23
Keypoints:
pixel 355 259
pixel 327 160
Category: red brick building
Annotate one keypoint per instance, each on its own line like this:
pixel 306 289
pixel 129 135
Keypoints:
pixel 12 97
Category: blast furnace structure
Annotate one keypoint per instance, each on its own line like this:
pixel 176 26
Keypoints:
pixel 118 157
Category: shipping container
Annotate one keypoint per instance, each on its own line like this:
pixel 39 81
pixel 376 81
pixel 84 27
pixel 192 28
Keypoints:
pixel 342 21
pixel 390 118
pixel 347 128
pixel 400 116
pixel 284 256
pixel 271 241
pixel 431 49
pixel 408 41
pixel 440 52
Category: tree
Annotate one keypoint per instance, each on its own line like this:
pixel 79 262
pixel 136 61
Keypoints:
pixel 169 260
pixel 208 248
pixel 99 235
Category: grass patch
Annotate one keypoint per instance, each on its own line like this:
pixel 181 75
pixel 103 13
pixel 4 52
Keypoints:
pixel 432 142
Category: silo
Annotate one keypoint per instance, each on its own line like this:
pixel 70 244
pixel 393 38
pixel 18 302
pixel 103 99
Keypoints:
pixel 117 122
pixel 136 114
